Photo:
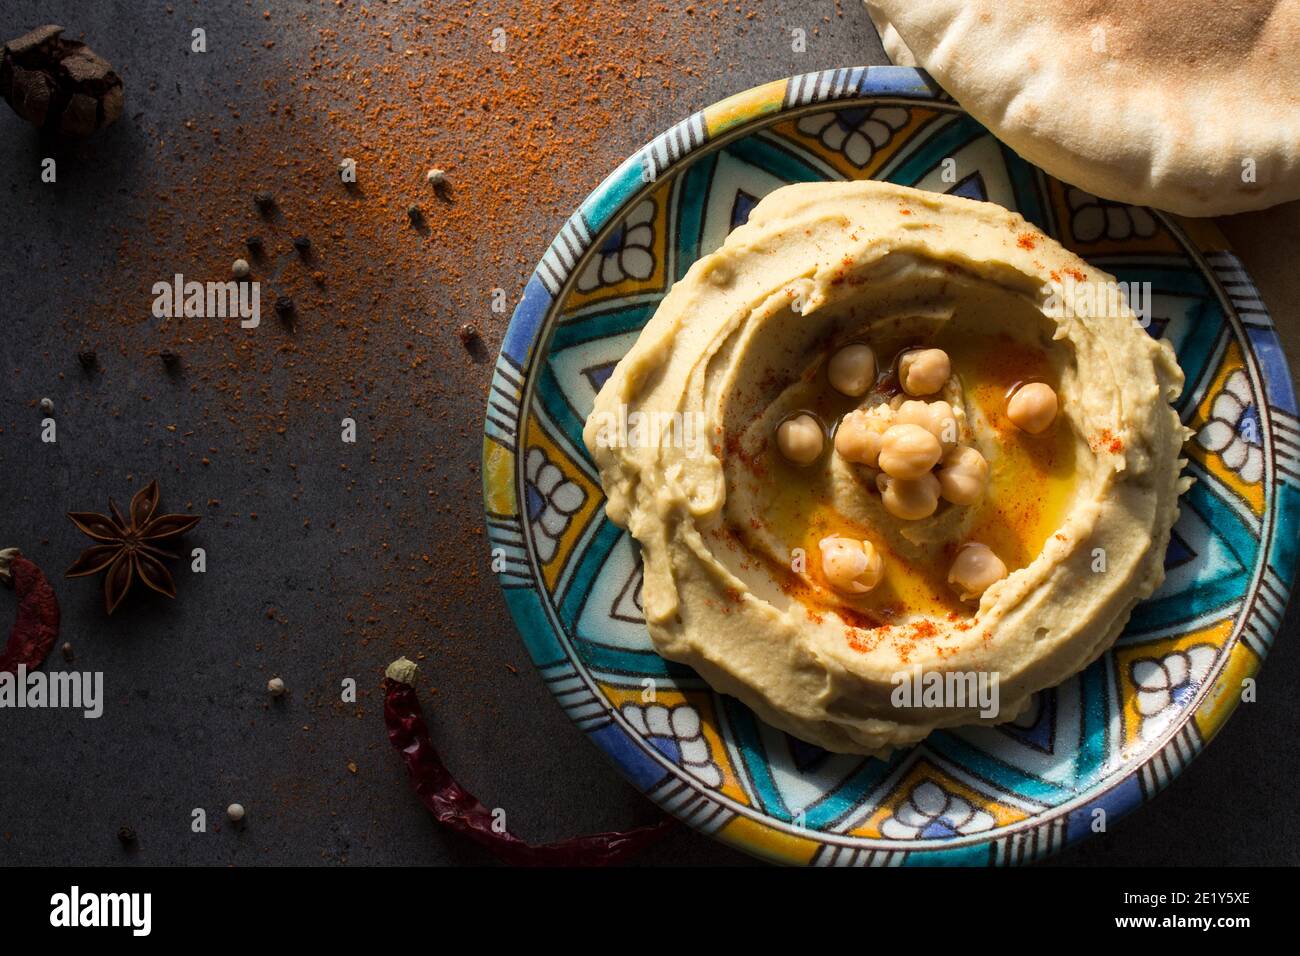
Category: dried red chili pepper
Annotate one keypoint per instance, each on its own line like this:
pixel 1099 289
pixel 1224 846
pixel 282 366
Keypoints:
pixel 457 809
pixel 37 625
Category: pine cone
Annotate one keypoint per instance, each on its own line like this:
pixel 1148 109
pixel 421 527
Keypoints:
pixel 58 84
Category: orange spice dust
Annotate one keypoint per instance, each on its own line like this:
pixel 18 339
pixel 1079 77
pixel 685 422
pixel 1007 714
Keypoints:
pixel 1108 440
pixel 523 134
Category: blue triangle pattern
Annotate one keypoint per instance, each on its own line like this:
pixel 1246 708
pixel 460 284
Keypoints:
pixel 1039 735
pixel 668 747
pixel 534 502
pixel 938 830
pixel 806 756
pixel 614 241
pixel 742 207
pixel 598 375
pixel 972 187
pixel 1179 552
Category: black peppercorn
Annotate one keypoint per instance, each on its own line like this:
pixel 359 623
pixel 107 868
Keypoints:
pixel 302 244
pixel 169 358
pixel 126 836
pixel 284 307
pixel 255 245
pixel 265 201
pixel 87 358
pixel 413 213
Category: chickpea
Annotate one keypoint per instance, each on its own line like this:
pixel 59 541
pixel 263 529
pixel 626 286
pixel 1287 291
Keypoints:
pixel 850 565
pixel 801 439
pixel 975 569
pixel 944 425
pixel 937 418
pixel 963 475
pixel 908 451
pixel 857 439
pixel 913 411
pixel 924 371
pixel 852 370
pixel 1033 407
pixel 910 500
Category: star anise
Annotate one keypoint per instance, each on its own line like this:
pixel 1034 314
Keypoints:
pixel 127 548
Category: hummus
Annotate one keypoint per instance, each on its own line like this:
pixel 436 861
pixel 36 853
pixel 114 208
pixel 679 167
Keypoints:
pixel 733 532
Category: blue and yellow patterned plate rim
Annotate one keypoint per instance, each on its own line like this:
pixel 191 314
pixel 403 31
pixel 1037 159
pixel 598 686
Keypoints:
pixel 1091 749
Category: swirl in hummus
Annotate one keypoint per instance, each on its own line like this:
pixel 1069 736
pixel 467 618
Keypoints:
pixel 921 457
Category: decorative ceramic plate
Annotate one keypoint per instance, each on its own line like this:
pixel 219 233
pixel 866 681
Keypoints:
pixel 1108 739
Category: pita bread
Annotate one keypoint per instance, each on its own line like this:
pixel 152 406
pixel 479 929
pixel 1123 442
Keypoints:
pixel 1187 105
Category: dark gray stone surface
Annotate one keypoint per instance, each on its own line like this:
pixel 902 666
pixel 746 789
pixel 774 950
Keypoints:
pixel 188 724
